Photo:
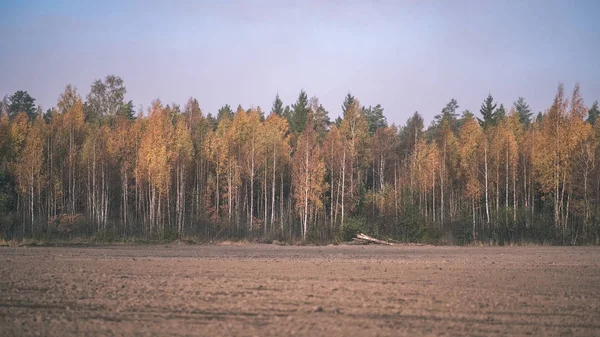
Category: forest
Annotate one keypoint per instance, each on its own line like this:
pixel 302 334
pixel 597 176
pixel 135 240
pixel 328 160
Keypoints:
pixel 92 167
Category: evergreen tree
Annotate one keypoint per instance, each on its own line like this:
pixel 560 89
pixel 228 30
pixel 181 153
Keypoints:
pixel 127 111
pixel 287 113
pixel 192 112
pixel 319 117
pixel 488 112
pixel 593 113
pixel 467 114
pixel 21 101
pixel 539 118
pixel 499 114
pixel 411 133
pixel 277 106
pixel 299 113
pixel 448 116
pixel 48 115
pixel 348 102
pixel 448 113
pixel 260 112
pixel 225 112
pixel 338 121
pixel 212 121
pixel 464 117
pixel 523 111
pixel 375 118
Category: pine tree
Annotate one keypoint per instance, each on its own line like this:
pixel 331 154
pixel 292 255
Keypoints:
pixel 319 117
pixel 375 118
pixel 287 113
pixel 499 114
pixel 539 118
pixel 338 121
pixel 488 112
pixel 593 113
pixel 348 102
pixel 446 119
pixel 523 111
pixel 277 106
pixel 21 101
pixel 448 113
pixel 299 114
pixel 464 117
pixel 127 111
pixel 411 133
pixel 225 112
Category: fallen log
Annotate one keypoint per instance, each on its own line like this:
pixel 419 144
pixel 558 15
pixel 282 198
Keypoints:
pixel 357 241
pixel 362 236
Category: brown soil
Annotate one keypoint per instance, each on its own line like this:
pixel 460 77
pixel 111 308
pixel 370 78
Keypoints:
pixel 263 290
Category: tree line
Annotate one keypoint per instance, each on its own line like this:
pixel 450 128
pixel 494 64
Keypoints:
pixel 94 168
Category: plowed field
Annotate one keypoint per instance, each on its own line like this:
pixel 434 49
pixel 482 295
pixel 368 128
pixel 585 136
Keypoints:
pixel 266 290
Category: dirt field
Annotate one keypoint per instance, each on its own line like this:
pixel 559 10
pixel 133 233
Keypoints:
pixel 264 290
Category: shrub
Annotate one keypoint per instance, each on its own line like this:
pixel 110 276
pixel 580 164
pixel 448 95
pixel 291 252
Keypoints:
pixel 66 224
pixel 352 227
pixel 462 232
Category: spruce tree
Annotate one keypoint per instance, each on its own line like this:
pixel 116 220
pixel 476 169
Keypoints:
pixel 593 113
pixel 523 110
pixel 299 113
pixel 488 109
pixel 211 121
pixel 127 111
pixel 225 112
pixel 319 117
pixel 348 101
pixel 287 113
pixel 277 106
pixel 539 118
pixel 338 121
pixel 499 114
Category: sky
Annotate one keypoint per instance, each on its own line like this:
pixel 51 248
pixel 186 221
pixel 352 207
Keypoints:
pixel 405 55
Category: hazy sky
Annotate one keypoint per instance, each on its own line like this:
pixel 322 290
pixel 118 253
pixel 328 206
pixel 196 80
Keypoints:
pixel 406 55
